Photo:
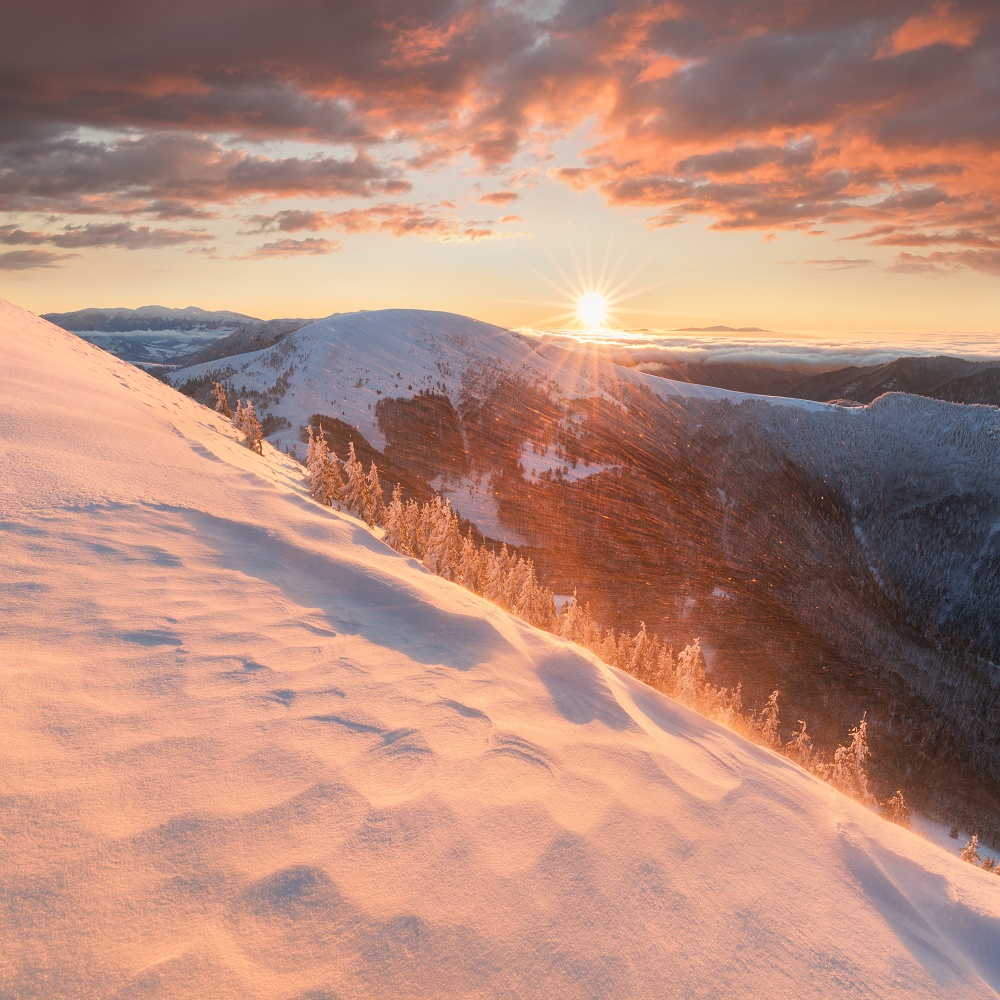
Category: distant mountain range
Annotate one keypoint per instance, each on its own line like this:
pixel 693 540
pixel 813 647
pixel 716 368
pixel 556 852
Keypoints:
pixel 157 335
pixel 846 556
pixel 955 380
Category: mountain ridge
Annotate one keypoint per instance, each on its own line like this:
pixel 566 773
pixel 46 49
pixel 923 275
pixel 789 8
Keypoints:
pixel 652 497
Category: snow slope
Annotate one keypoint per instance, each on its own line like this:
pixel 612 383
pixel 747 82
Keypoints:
pixel 247 751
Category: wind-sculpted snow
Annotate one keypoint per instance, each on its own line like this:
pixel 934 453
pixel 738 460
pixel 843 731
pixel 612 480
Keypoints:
pixel 250 752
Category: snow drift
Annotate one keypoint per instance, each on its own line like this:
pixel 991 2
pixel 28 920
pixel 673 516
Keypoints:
pixel 250 752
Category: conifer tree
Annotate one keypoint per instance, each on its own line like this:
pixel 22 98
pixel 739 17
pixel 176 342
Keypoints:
pixel 568 625
pixel 636 665
pixel 333 480
pixel 221 400
pixel 767 724
pixel 316 460
pixel 439 554
pixel 970 852
pixel 396 535
pixel 414 535
pixel 355 494
pixel 325 482
pixel 376 501
pixel 253 437
pixel 490 581
pixel 245 419
pixel 689 674
pixel 468 563
pixel 848 771
pixel 663 675
pixel 799 747
pixel 896 810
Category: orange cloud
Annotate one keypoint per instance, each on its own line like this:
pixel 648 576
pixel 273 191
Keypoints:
pixel 759 114
pixel 499 197
pixel 943 24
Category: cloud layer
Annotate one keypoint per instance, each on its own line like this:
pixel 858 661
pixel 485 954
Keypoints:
pixel 801 351
pixel 879 119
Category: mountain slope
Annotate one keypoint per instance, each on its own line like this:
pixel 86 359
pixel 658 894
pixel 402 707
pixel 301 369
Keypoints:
pixel 946 378
pixel 253 753
pixel 816 549
pixel 350 362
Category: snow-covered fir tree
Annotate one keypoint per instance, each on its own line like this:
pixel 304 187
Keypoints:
pixel 469 564
pixel 768 723
pixel 221 400
pixel 970 852
pixel 848 771
pixel 412 517
pixel 253 436
pixel 376 501
pixel 896 810
pixel 799 747
pixel 355 493
pixel 325 481
pixel 396 535
pixel 245 419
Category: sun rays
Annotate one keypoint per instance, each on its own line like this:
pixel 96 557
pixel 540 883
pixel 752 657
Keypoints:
pixel 592 300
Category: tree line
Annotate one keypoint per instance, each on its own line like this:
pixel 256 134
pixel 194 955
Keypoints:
pixel 431 533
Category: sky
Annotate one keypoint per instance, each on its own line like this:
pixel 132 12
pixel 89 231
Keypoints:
pixel 791 165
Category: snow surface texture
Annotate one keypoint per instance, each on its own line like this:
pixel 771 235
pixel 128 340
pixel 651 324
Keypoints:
pixel 250 752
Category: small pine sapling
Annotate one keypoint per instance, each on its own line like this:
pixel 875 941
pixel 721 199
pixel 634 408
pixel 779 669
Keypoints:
pixel 848 771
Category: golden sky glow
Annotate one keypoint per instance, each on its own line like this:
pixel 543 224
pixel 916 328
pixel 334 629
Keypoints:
pixel 823 167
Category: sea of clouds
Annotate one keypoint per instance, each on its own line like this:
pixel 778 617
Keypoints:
pixel 820 351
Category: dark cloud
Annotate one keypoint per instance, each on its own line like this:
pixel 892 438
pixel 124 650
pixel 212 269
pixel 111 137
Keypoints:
pixel 118 234
pixel 294 248
pixel 387 217
pixel 27 260
pixel 122 176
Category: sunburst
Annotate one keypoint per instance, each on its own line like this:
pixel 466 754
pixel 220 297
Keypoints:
pixel 590 298
pixel 592 310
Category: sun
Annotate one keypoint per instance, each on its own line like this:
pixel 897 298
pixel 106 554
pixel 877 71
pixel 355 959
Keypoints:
pixel 590 298
pixel 592 308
